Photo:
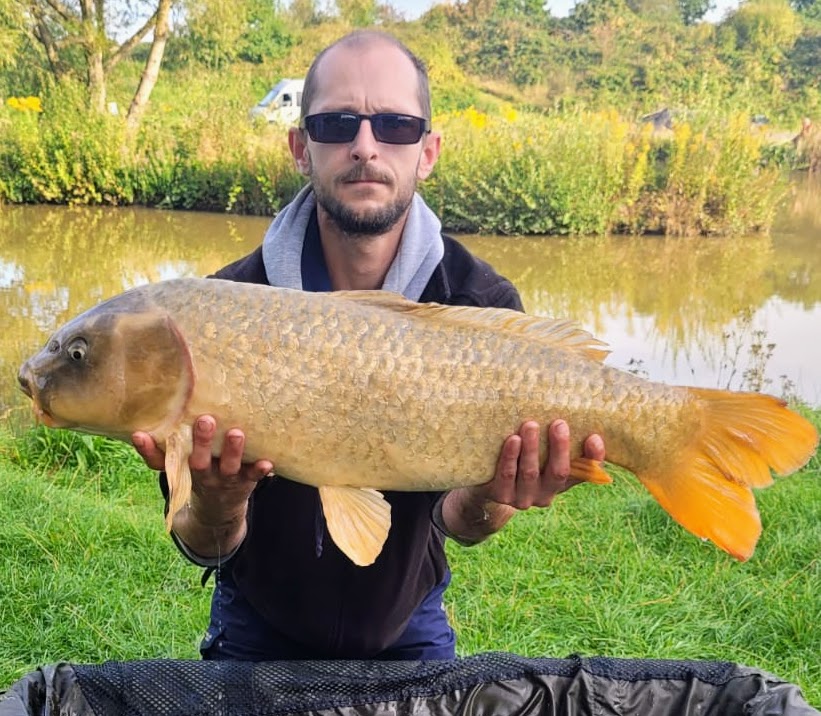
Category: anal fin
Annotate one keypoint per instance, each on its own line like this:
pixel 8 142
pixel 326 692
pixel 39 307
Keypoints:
pixel 583 468
pixel 358 521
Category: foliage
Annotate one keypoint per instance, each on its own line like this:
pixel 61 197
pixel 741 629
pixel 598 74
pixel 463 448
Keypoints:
pixel 47 449
pixel 694 10
pixel 76 42
pixel 10 31
pixel 357 13
pixel 64 154
pixel 591 173
pixel 218 32
pixel 566 79
pixel 592 13
pixel 504 170
pixel 763 28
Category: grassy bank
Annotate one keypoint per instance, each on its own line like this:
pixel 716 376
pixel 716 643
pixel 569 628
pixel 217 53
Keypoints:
pixel 502 170
pixel 88 573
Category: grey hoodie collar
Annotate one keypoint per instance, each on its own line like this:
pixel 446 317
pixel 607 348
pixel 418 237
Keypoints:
pixel 420 250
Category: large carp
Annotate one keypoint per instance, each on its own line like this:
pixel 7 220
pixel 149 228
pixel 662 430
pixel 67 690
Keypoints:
pixel 356 392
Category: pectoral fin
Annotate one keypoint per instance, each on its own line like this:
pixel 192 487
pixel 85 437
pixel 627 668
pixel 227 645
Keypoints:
pixel 358 520
pixel 178 447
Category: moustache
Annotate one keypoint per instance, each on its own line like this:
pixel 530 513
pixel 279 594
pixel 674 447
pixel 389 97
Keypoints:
pixel 361 173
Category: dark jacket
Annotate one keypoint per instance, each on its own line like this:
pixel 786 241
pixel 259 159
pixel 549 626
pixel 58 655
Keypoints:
pixel 288 567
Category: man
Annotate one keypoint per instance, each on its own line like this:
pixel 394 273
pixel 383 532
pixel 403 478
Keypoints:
pixel 284 591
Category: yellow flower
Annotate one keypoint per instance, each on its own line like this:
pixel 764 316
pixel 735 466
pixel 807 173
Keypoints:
pixel 475 118
pixel 25 104
pixel 510 114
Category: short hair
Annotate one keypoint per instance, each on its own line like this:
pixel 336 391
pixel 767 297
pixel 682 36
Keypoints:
pixel 365 37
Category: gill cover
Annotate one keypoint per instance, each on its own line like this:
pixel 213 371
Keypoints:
pixel 135 373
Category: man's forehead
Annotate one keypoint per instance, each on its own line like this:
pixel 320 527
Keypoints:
pixel 349 69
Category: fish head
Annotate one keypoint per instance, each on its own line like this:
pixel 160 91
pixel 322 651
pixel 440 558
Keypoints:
pixel 111 372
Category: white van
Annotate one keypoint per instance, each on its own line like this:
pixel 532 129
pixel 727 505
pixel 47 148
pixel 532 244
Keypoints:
pixel 282 103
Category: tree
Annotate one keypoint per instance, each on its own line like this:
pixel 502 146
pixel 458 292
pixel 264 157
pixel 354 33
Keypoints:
pixel 590 13
pixel 219 32
pixel 266 36
pixel 693 10
pixel 78 38
pixel 304 12
pixel 765 29
pixel 808 8
pixel 359 13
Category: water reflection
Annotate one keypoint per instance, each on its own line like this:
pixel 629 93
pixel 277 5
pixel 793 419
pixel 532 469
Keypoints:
pixel 688 311
pixel 56 262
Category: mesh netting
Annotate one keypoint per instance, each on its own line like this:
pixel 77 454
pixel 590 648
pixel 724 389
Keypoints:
pixel 490 684
pixel 292 687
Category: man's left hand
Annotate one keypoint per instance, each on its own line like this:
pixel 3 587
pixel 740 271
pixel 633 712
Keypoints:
pixel 471 514
pixel 519 481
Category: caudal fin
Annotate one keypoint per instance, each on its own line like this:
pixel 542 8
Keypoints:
pixel 707 488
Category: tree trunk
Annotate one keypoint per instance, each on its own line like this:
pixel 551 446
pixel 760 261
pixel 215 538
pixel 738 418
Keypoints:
pixel 152 66
pixel 96 81
pixel 93 48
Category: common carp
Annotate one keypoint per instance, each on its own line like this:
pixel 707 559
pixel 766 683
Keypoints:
pixel 357 392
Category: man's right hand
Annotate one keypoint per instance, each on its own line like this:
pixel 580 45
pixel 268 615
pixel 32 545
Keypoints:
pixel 214 522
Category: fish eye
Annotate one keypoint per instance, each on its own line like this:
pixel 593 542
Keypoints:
pixel 77 349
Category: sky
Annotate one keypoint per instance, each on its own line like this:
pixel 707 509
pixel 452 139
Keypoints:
pixel 412 9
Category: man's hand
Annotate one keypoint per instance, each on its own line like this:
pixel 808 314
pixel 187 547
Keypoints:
pixel 472 514
pixel 214 524
pixel 519 481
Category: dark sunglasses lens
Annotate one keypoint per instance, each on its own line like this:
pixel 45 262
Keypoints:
pixel 332 128
pixel 397 128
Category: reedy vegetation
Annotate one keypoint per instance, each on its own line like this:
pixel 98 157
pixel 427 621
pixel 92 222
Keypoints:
pixel 539 115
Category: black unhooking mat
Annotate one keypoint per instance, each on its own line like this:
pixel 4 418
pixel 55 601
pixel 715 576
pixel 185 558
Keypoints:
pixel 490 684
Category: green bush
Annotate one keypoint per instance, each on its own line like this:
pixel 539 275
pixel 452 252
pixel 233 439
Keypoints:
pixel 573 171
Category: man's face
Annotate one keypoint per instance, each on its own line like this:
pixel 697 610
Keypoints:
pixel 365 186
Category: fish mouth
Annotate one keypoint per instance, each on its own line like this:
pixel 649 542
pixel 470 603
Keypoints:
pixel 25 381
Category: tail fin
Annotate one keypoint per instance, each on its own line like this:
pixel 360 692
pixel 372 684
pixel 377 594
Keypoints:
pixel 708 488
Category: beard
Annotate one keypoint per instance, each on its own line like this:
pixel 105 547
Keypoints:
pixel 367 223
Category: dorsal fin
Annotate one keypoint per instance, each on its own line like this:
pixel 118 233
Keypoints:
pixel 556 333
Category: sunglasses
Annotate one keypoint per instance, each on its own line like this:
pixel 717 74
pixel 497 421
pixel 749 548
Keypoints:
pixel 342 127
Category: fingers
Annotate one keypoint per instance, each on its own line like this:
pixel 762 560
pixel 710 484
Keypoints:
pixel 229 463
pixel 232 448
pixel 520 482
pixel 203 435
pixel 502 488
pixel 558 452
pixel 594 448
pixel 147 449
pixel 201 460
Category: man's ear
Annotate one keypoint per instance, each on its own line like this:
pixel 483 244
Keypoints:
pixel 431 146
pixel 297 142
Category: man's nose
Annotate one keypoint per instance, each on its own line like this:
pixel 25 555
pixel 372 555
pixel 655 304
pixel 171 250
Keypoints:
pixel 364 145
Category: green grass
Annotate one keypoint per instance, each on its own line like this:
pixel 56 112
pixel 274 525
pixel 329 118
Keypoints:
pixel 88 574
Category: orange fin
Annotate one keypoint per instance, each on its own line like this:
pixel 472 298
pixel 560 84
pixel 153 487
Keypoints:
pixel 583 468
pixel 358 521
pixel 707 488
pixel 556 333
pixel 178 446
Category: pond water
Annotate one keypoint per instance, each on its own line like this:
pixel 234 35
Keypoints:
pixel 735 312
